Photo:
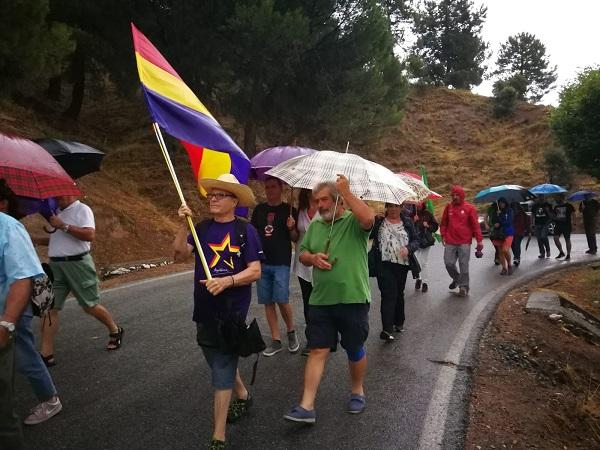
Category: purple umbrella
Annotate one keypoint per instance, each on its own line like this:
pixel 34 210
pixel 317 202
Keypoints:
pixel 270 157
pixel 28 205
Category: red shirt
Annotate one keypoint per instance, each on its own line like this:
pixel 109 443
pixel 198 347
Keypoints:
pixel 459 224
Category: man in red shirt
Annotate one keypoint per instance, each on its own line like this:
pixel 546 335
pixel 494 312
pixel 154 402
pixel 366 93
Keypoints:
pixel 458 226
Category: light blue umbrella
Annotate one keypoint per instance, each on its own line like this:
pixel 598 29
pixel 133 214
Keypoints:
pixel 511 192
pixel 547 188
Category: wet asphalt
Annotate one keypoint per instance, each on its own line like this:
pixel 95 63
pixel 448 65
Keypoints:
pixel 155 392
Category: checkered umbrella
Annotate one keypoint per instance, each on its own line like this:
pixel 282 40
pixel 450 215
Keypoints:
pixel 30 171
pixel 415 182
pixel 368 180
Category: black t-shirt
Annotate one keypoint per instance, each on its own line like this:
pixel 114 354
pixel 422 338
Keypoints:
pixel 563 213
pixel 541 214
pixel 270 222
pixel 589 209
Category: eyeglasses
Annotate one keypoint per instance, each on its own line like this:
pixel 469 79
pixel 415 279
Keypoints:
pixel 218 196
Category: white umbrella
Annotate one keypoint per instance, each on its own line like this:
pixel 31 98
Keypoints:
pixel 368 180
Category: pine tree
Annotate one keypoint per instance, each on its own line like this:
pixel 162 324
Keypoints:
pixel 449 43
pixel 523 54
pixel 32 48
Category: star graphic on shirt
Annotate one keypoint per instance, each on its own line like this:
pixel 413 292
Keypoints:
pixel 219 248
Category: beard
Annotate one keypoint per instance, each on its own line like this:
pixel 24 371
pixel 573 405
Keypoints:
pixel 326 214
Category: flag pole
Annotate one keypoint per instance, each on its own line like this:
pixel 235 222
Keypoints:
pixel 163 148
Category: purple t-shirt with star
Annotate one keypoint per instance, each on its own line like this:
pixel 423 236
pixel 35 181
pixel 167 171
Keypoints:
pixel 224 256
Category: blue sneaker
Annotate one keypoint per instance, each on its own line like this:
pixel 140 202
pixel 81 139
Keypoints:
pixel 299 414
pixel 357 404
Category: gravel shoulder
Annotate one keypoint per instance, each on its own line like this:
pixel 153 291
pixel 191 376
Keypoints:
pixel 537 380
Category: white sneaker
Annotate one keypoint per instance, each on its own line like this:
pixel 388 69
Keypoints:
pixel 44 411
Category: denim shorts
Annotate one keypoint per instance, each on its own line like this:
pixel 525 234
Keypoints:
pixel 349 321
pixel 223 367
pixel 274 285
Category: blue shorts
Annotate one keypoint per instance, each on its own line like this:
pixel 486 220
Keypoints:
pixel 274 285
pixel 348 321
pixel 223 367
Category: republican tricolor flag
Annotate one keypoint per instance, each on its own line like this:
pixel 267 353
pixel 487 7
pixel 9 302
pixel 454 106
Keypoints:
pixel 177 110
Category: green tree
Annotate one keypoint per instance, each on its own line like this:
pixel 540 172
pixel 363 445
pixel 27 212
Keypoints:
pixel 286 68
pixel 356 83
pixel 575 121
pixel 32 48
pixel 523 54
pixel 558 167
pixel 506 93
pixel 449 43
pixel 102 35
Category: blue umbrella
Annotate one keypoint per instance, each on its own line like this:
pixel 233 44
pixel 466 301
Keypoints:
pixel 511 192
pixel 547 188
pixel 580 195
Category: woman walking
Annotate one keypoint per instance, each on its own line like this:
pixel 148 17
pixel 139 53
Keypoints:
pixel 394 244
pixel 307 211
pixel 425 226
pixel 502 234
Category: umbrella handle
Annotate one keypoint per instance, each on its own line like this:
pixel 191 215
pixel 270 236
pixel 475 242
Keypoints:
pixel 327 251
pixel 49 231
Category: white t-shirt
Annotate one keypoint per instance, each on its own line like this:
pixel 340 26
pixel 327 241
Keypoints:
pixel 63 244
pixel 301 270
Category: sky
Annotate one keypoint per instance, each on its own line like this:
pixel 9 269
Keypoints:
pixel 568 28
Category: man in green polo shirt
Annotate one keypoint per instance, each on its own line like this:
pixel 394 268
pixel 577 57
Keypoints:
pixel 339 302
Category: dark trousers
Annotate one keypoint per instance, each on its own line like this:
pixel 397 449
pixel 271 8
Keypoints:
pixel 391 281
pixel 11 435
pixel 516 246
pixel 590 234
pixel 541 233
pixel 306 289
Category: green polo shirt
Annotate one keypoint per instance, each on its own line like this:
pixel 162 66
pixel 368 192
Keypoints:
pixel 348 280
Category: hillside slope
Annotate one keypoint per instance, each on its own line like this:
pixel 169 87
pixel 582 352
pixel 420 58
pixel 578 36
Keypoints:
pixel 451 132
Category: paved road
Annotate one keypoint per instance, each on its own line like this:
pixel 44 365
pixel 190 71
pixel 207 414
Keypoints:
pixel 154 393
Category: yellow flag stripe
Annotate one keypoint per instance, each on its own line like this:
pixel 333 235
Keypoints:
pixel 165 84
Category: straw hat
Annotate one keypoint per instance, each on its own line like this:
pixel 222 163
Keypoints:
pixel 228 182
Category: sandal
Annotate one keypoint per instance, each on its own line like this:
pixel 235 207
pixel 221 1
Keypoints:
pixel 48 360
pixel 114 342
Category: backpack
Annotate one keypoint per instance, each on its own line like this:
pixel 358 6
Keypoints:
pixel 42 294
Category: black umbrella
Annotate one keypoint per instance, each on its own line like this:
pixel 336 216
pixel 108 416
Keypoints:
pixel 76 158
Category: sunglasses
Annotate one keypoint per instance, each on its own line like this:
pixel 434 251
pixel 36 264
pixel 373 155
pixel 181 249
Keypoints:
pixel 218 196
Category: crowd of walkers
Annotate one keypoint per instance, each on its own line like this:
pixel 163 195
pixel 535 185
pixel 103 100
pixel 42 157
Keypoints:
pixel 330 231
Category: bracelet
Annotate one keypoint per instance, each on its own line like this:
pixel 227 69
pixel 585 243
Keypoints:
pixel 232 281
pixel 66 228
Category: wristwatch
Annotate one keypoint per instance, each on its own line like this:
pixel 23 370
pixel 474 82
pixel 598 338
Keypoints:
pixel 66 227
pixel 9 326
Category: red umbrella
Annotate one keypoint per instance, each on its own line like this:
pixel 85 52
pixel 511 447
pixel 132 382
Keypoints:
pixel 31 171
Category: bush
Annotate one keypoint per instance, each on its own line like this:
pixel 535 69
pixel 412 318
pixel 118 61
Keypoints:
pixel 504 100
pixel 558 167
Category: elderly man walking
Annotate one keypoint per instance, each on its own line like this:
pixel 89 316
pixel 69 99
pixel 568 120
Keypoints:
pixel 234 252
pixel 339 302
pixel 74 271
pixel 19 264
pixel 458 226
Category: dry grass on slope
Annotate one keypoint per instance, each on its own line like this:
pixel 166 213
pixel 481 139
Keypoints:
pixel 454 134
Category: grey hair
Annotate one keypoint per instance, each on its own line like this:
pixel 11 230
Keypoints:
pixel 330 185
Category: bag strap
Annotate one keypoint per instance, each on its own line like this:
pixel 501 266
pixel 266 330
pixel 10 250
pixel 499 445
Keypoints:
pixel 254 369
